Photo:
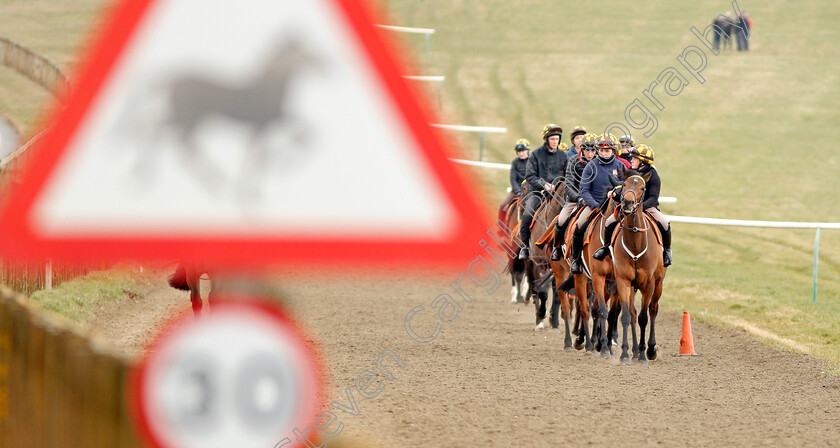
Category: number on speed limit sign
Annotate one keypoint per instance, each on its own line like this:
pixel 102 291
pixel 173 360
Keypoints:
pixel 243 375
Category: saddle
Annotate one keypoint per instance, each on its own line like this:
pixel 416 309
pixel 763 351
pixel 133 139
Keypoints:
pixel 511 209
pixel 651 222
pixel 548 235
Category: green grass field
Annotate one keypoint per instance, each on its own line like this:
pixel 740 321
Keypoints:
pixel 756 140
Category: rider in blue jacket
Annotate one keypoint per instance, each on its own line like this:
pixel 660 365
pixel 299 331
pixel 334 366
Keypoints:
pixel 642 162
pixel 594 185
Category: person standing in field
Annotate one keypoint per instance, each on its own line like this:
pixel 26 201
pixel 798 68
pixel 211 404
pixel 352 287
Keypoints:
pixel 727 24
pixel 742 31
pixel 718 30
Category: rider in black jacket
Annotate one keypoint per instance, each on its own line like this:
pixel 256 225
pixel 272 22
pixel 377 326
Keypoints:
pixel 517 174
pixel 546 164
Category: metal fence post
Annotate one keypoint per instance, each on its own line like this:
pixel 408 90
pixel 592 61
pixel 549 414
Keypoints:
pixel 816 260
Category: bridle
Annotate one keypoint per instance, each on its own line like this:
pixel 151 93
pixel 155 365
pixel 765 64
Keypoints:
pixel 637 201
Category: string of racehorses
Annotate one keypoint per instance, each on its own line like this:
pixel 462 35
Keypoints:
pixel 605 291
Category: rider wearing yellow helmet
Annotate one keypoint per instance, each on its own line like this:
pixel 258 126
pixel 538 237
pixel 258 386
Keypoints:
pixel 642 162
pixel 571 192
pixel 517 174
pixel 546 164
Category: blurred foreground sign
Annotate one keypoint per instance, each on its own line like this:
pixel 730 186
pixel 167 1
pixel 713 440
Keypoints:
pixel 241 376
pixel 242 132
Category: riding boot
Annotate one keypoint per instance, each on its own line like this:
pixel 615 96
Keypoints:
pixel 525 234
pixel 604 250
pixel 577 248
pixel 666 245
pixel 559 236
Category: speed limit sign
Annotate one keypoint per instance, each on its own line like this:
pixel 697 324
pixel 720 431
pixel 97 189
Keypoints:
pixel 242 375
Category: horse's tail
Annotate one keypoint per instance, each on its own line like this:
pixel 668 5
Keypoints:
pixel 178 279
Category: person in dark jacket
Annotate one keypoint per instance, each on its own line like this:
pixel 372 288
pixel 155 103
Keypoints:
pixel 594 184
pixel 546 163
pixel 717 29
pixel 742 31
pixel 643 163
pixel 577 137
pixel 517 174
pixel 727 23
pixel 571 192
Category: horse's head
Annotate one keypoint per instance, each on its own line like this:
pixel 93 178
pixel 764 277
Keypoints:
pixel 632 194
pixel 290 53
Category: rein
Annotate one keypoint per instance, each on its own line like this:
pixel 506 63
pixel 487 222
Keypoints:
pixel 632 213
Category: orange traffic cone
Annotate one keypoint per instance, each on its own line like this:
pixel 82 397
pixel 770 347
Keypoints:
pixel 686 341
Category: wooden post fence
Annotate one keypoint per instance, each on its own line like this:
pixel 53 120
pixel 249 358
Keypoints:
pixel 59 385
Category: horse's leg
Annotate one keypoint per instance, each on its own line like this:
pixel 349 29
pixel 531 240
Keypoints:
pixel 529 277
pixel 612 321
pixel 643 321
pixel 211 296
pixel 598 283
pixel 524 286
pixel 194 282
pixel 515 284
pixel 633 318
pixel 539 306
pixel 624 291
pixel 583 340
pixel 555 305
pixel 654 310
pixel 565 310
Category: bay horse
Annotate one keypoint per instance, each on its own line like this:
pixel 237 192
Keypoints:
pixel 520 288
pixel 560 269
pixel 592 283
pixel 636 253
pixel 537 269
pixel 187 277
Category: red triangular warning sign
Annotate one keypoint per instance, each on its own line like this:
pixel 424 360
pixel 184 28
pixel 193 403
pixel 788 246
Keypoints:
pixel 255 132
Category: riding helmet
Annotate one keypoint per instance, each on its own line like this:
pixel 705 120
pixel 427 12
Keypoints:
pixel 578 130
pixel 522 145
pixel 552 129
pixel 607 141
pixel 644 153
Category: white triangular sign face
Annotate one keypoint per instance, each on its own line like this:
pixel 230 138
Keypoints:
pixel 246 119
pixel 254 119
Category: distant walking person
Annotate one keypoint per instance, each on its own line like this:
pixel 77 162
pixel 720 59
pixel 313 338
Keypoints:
pixel 742 32
pixel 727 23
pixel 718 24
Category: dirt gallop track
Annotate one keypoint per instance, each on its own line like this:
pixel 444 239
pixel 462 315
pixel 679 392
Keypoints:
pixel 490 380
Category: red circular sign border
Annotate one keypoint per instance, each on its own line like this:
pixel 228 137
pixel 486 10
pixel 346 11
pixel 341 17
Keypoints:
pixel 270 309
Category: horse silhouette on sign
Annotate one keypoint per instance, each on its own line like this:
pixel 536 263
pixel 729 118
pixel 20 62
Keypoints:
pixel 258 104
